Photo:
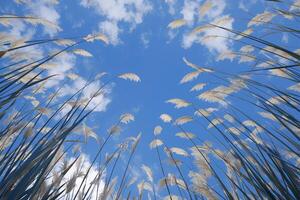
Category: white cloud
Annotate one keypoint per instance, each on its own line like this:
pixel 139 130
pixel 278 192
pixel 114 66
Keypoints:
pixel 45 9
pixel 115 12
pixel 189 39
pixel 189 10
pixel 81 165
pixel 221 43
pixel 99 102
pixel 21 32
pixel 145 39
pixel 215 39
pixel 59 67
pixel 217 9
pixel 171 5
pixel 111 29
pixel 242 6
pixel 245 5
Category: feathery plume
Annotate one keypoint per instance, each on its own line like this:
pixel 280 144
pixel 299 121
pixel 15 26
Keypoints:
pixel 244 33
pixel 166 118
pixel 177 23
pixel 179 103
pixel 148 172
pixel 157 130
pixel 205 8
pixel 179 151
pixel 198 87
pixel 201 69
pixel 82 52
pixel 185 135
pixel 190 76
pixel 126 118
pixel 261 18
pixel 130 76
pixel 155 143
pixel 183 120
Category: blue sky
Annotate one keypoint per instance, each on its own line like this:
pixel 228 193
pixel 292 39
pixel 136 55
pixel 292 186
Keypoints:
pixel 139 42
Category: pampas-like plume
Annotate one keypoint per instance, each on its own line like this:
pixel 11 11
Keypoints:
pixel 126 118
pixel 7 20
pixel 250 123
pixel 179 103
pixel 88 132
pixel 177 23
pixel 64 42
pixel 45 111
pixel 99 36
pixel 157 130
pixel 244 33
pixel 261 18
pixel 229 118
pixel 130 76
pixel 226 55
pixel 148 172
pixel 183 120
pixel 185 135
pixel 201 29
pixel 166 118
pixel 295 87
pixel 247 58
pixel 280 72
pixel 277 51
pixel 198 87
pixel 171 180
pixel 223 21
pixel 200 185
pixel 190 76
pixel 268 116
pixel 215 122
pixel 179 151
pixel 114 129
pixel 247 49
pixel 205 8
pixel 171 197
pixel 155 143
pixel 82 52
pixel 144 186
pixel 100 75
pixel 196 67
pixel 72 76
pixel 205 112
pixel 214 95
pixel 234 130
pixel 29 130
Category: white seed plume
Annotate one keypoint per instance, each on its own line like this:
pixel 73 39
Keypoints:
pixel 166 118
pixel 130 76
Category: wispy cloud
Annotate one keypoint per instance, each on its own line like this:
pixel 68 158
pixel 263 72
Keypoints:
pixel 99 103
pixel 79 169
pixel 215 39
pixel 116 12
pixel 145 39
pixel 45 9
pixel 112 30
pixel 189 10
pixel 172 5
pixel 59 67
pixel 245 5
